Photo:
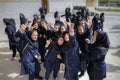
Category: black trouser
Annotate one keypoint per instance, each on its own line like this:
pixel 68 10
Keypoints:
pixel 83 64
pixel 37 68
pixel 71 74
pixel 42 53
pixel 14 52
pixel 95 79
pixel 31 75
pixel 51 66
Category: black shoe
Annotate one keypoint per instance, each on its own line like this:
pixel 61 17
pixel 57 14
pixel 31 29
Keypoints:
pixel 39 77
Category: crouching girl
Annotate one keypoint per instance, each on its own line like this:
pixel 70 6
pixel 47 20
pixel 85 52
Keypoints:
pixel 31 57
pixel 52 57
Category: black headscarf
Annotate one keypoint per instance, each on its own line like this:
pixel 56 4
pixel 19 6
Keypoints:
pixel 6 21
pixel 102 39
pixel 100 47
pixel 10 21
pixel 31 41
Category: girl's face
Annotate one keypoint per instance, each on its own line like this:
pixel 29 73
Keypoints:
pixel 34 36
pixel 62 29
pixel 60 41
pixel 97 16
pixel 35 26
pixel 39 22
pixel 56 29
pixel 43 24
pixel 94 36
pixel 80 30
pixel 67 37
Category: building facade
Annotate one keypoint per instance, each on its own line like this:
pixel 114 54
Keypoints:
pixel 53 5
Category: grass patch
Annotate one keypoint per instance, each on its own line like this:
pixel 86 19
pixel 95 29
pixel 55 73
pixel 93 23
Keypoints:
pixel 108 10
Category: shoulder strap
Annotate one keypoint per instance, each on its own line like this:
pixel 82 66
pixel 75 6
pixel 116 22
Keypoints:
pixel 25 47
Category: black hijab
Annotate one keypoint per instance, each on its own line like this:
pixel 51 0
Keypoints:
pixel 6 21
pixel 100 48
pixel 102 39
pixel 10 21
pixel 31 41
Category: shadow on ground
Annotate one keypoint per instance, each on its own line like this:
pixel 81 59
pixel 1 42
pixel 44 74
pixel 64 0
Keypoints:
pixel 117 53
pixel 115 47
pixel 115 27
pixel 4 41
pixel 114 32
pixel 4 49
pixel 112 68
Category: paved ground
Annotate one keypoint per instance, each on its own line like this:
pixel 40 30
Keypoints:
pixel 10 70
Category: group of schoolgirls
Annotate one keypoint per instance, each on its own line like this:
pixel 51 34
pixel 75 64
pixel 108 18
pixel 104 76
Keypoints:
pixel 77 44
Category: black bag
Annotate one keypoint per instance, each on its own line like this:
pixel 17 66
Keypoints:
pixel 16 39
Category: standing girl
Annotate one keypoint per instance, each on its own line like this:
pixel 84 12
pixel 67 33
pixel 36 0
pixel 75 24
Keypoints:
pixel 53 57
pixel 31 57
pixel 71 54
pixel 98 50
pixel 11 31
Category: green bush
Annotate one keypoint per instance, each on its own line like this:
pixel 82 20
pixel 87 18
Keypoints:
pixel 103 1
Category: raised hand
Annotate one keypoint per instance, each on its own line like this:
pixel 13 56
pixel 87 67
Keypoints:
pixel 22 28
pixel 71 25
pixel 48 42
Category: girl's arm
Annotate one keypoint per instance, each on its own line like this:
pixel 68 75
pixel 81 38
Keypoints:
pixel 71 28
pixel 48 42
pixel 23 33
pixel 73 40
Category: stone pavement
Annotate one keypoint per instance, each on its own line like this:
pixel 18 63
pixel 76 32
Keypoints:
pixel 9 70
